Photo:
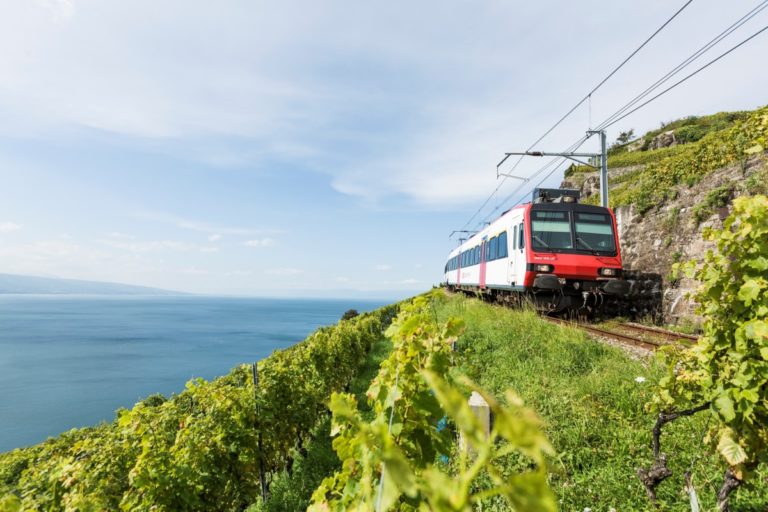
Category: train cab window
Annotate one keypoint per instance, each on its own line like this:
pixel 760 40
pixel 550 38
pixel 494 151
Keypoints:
pixel 550 230
pixel 503 245
pixel 521 242
pixel 594 232
pixel 494 248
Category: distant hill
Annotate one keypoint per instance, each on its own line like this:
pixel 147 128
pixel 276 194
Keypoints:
pixel 16 284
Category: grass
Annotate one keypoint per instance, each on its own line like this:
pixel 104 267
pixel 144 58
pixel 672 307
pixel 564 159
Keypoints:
pixel 291 491
pixel 593 407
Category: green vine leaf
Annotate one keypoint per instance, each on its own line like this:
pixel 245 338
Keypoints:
pixel 731 451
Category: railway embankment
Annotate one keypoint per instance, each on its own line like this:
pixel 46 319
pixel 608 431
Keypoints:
pixel 592 397
pixel 666 189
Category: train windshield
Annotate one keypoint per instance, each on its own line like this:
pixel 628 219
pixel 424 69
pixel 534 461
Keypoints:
pixel 572 231
pixel 550 230
pixel 594 232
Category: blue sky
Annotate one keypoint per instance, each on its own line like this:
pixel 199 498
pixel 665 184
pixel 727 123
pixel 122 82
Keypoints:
pixel 308 148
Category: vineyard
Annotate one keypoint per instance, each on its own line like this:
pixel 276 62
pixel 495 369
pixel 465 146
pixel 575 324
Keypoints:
pixel 652 175
pixel 203 449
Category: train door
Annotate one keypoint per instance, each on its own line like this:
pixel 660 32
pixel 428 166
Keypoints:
pixel 520 253
pixel 458 269
pixel 512 267
pixel 482 264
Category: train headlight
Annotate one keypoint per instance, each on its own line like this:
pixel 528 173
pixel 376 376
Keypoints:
pixel 543 268
pixel 609 272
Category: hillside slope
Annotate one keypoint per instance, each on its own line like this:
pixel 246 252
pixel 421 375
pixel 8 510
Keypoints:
pixel 666 188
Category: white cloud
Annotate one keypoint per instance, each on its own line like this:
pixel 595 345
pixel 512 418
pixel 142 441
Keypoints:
pixel 284 271
pixel 214 237
pixel 157 245
pixel 424 104
pixel 383 267
pixel 238 273
pixel 60 10
pixel 201 226
pixel 121 236
pixel 192 270
pixel 7 227
pixel 260 242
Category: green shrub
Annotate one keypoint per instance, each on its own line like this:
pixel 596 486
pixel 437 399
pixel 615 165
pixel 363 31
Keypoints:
pixel 715 198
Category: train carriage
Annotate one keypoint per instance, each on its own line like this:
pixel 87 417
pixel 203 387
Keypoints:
pixel 560 253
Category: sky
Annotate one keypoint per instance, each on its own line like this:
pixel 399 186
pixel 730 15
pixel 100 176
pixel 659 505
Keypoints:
pixel 303 148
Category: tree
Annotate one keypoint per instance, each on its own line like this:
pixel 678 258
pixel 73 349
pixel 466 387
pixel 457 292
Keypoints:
pixel 349 314
pixel 726 373
pixel 625 137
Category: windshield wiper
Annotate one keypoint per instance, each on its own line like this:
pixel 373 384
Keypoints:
pixel 582 241
pixel 542 242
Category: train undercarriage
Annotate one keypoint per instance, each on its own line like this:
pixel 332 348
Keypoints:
pixel 554 297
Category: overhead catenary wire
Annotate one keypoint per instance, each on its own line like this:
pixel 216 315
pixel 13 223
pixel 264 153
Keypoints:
pixel 577 105
pixel 691 75
pixel 685 63
pixel 623 113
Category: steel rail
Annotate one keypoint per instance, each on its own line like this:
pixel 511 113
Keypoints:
pixel 632 340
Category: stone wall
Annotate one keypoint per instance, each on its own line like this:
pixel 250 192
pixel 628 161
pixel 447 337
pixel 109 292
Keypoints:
pixel 670 233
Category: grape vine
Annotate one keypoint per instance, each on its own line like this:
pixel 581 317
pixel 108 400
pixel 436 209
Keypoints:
pixel 394 460
pixel 726 372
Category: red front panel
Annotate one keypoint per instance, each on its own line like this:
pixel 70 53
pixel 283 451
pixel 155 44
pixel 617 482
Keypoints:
pixel 570 266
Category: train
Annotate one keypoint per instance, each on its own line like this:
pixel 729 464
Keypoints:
pixel 555 252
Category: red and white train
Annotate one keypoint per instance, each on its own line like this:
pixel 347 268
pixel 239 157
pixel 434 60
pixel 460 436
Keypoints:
pixel 557 252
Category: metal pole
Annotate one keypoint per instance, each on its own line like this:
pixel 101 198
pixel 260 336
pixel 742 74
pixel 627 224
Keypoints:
pixel 603 171
pixel 262 475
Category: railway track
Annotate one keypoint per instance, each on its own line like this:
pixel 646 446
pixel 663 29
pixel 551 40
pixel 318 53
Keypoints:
pixel 668 335
pixel 648 338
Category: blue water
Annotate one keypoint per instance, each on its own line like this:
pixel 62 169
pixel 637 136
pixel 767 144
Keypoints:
pixel 72 361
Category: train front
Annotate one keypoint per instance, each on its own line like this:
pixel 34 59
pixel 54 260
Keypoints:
pixel 573 259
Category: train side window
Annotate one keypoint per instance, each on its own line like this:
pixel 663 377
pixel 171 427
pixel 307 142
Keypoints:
pixel 521 243
pixel 494 248
pixel 514 238
pixel 477 255
pixel 487 250
pixel 503 245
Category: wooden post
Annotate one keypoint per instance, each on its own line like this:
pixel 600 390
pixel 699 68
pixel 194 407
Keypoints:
pixel 483 412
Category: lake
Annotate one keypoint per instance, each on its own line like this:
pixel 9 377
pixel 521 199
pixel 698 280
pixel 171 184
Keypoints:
pixel 71 361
